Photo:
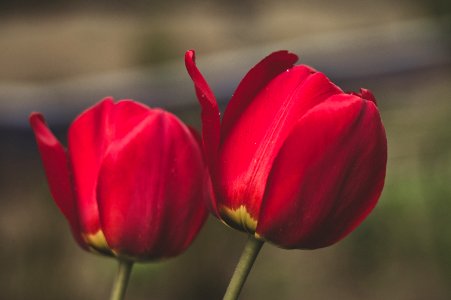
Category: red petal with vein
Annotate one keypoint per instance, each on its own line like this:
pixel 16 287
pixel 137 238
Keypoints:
pixel 150 189
pixel 89 137
pixel 327 177
pixel 250 145
pixel 210 110
pixel 252 84
pixel 54 158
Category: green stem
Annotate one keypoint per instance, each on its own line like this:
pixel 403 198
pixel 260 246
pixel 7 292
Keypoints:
pixel 121 280
pixel 243 268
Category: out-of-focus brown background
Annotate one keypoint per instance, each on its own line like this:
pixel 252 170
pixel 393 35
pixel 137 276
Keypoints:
pixel 59 57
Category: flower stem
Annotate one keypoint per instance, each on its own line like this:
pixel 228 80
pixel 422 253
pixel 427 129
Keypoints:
pixel 121 280
pixel 247 259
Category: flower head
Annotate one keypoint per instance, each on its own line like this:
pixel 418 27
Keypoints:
pixel 295 161
pixel 130 184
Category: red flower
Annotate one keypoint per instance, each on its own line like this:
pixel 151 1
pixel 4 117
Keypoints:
pixel 130 183
pixel 295 161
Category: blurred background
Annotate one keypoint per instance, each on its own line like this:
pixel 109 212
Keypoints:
pixel 59 57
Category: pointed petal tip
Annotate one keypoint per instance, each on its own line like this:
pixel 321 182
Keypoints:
pixel 41 131
pixel 107 98
pixel 286 53
pixel 368 95
pixel 190 58
pixel 283 55
pixel 365 94
pixel 190 53
pixel 35 118
pixel 34 114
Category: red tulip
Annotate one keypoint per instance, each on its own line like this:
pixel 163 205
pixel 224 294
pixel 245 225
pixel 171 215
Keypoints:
pixel 130 183
pixel 295 161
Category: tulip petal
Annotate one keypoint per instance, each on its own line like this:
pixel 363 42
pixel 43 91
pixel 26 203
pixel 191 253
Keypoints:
pixel 87 141
pixel 150 189
pixel 55 160
pixel 209 194
pixel 210 110
pixel 255 81
pixel 257 135
pixel 327 176
pixel 365 94
pixel 89 138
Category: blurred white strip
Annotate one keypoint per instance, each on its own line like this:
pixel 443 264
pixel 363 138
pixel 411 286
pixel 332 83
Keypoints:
pixel 343 55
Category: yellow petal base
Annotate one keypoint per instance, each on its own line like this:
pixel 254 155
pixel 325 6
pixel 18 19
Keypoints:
pixel 97 242
pixel 238 218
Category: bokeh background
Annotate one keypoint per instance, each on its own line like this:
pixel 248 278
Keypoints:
pixel 59 57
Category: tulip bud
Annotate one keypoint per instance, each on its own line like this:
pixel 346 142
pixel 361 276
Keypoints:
pixel 295 161
pixel 130 184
